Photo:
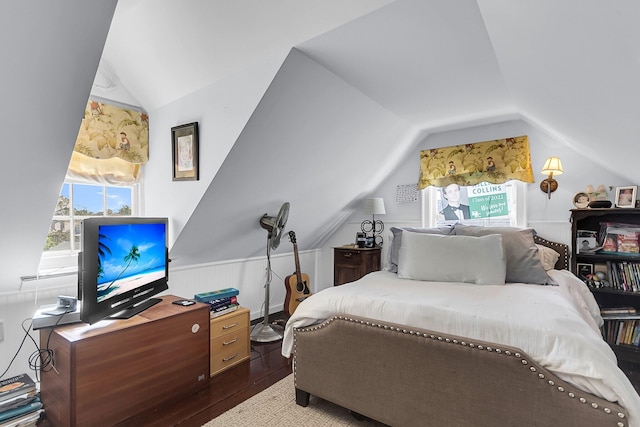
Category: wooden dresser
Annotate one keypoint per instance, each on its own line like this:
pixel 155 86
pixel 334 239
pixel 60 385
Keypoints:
pixel 112 370
pixel 229 340
pixel 351 263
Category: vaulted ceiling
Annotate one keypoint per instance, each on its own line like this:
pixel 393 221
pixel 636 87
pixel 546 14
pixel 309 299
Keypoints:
pixel 570 67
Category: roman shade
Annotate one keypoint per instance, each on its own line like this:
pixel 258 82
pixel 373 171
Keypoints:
pixel 112 144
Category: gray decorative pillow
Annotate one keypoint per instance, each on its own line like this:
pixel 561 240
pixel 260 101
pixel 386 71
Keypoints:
pixel 523 261
pixel 466 259
pixel 396 240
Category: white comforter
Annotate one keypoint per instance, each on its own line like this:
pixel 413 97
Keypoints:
pixel 558 326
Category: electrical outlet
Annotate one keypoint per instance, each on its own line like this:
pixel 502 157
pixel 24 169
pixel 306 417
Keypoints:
pixel 1 330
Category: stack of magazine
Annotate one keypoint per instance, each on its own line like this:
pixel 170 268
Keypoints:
pixel 221 301
pixel 20 404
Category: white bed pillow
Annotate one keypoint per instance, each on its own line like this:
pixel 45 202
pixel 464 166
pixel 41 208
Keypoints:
pixel 396 239
pixel 548 257
pixel 439 258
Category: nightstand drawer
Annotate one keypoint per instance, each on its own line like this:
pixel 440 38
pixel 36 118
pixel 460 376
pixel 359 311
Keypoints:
pixel 347 257
pixel 229 322
pixel 350 264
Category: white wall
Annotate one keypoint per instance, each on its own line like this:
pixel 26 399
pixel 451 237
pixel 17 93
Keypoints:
pixel 247 275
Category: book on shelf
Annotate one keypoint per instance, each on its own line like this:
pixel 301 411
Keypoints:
pixel 624 275
pixel 623 332
pixel 16 386
pixel 217 294
pixel 618 310
pixel 226 310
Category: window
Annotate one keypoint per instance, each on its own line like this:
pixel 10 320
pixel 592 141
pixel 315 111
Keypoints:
pixel 75 203
pixel 484 204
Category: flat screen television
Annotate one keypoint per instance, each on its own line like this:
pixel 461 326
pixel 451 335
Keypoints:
pixel 123 262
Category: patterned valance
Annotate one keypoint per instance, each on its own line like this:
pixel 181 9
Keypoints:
pixel 495 161
pixel 108 131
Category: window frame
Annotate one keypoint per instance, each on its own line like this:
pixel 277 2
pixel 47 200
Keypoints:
pixel 64 262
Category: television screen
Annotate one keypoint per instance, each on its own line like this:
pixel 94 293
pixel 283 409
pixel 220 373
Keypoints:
pixel 124 261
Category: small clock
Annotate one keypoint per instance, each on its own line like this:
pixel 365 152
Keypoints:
pixel 581 200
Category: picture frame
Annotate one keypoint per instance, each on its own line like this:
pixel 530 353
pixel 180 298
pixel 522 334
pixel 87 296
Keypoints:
pixel 185 152
pixel 584 270
pixel 581 200
pixel 626 196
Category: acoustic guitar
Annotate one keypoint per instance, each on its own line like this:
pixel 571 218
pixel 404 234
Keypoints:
pixel 297 284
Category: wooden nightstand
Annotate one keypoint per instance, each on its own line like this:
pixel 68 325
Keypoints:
pixel 229 340
pixel 351 263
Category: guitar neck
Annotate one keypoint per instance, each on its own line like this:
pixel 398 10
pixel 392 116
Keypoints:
pixel 298 272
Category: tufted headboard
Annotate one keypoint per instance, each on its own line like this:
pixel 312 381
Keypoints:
pixel 564 261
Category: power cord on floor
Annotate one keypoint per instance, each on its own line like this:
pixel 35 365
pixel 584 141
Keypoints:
pixel 40 360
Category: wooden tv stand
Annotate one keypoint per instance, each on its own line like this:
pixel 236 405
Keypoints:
pixel 110 371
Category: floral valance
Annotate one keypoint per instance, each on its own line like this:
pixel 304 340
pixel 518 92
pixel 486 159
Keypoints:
pixel 108 131
pixel 495 161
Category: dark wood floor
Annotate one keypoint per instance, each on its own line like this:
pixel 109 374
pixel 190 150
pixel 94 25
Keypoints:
pixel 224 391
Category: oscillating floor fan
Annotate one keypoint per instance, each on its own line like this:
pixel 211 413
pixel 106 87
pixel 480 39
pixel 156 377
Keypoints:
pixel 265 332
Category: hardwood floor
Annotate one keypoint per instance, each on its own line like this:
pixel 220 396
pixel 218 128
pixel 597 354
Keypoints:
pixel 224 391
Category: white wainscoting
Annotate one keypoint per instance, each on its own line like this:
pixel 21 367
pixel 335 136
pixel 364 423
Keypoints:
pixel 248 276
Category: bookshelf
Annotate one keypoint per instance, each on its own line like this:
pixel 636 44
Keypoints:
pixel 620 268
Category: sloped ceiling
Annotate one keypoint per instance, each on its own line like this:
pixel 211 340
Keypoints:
pixel 570 67
pixel 50 52
pixel 436 65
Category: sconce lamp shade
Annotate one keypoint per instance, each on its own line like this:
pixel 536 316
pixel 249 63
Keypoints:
pixel 374 206
pixel 553 165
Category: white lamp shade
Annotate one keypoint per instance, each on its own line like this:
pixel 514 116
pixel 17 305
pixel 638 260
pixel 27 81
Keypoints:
pixel 552 165
pixel 374 206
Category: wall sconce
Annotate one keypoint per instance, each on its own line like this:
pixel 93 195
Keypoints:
pixel 374 206
pixel 553 165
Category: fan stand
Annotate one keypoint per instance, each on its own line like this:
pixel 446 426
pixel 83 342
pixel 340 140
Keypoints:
pixel 265 332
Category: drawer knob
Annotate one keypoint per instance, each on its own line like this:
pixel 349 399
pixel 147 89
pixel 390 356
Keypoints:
pixel 348 255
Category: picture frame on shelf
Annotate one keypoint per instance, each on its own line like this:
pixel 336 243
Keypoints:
pixel 184 145
pixel 584 270
pixel 581 200
pixel 626 196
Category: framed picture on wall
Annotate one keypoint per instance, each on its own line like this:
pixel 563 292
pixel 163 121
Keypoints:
pixel 184 144
pixel 626 196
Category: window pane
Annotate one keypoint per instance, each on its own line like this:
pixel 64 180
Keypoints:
pixel 485 204
pixel 62 207
pixel 88 200
pixel 59 236
pixel 118 201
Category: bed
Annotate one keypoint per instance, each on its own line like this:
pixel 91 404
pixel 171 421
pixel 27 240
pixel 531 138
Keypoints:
pixel 469 327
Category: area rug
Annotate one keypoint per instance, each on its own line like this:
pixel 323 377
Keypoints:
pixel 276 407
